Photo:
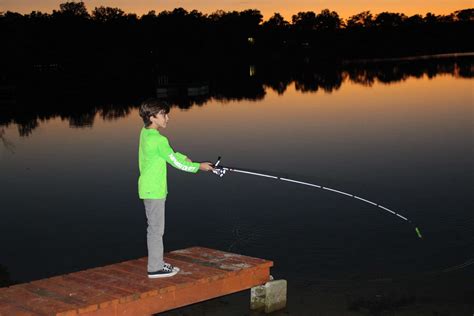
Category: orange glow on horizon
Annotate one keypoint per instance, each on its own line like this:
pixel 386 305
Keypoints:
pixel 345 8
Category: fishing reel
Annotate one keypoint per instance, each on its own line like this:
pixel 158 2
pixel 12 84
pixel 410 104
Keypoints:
pixel 220 171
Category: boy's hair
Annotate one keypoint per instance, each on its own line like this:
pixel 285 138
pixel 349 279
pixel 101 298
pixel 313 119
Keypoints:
pixel 152 107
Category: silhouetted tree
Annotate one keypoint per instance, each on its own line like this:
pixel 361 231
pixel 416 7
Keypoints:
pixel 249 21
pixel 466 15
pixel 304 21
pixel 361 20
pixel 389 20
pixel 430 18
pixel 72 38
pixel 73 9
pixel 11 17
pixel 107 14
pixel 328 21
pixel 414 20
pixel 37 16
pixel 276 21
pixel 274 32
pixel 231 30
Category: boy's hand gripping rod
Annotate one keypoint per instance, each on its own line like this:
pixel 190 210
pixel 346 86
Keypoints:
pixel 221 171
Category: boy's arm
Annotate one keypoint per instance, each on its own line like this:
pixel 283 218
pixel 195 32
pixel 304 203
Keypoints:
pixel 181 156
pixel 177 160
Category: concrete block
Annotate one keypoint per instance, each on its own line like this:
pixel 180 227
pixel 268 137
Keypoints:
pixel 257 298
pixel 269 297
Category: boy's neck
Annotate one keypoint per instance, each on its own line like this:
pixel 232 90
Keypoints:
pixel 153 126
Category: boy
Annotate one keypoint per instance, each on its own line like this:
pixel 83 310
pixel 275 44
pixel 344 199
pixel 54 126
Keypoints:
pixel 153 154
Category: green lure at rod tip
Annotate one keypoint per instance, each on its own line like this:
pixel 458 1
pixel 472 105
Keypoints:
pixel 418 232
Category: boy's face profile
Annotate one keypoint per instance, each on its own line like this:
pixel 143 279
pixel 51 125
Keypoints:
pixel 159 120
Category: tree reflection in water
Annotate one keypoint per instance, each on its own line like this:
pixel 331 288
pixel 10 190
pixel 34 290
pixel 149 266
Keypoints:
pixel 8 145
pixel 78 98
pixel 5 277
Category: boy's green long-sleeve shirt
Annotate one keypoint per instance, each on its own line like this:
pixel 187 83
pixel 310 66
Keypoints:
pixel 153 154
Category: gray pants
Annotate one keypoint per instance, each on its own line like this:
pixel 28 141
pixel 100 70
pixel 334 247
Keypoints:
pixel 155 214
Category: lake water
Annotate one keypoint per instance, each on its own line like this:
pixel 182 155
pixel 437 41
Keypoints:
pixel 69 194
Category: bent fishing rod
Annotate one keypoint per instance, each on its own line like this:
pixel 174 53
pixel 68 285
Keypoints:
pixel 221 171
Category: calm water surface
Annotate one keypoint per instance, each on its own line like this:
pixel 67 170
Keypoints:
pixel 69 195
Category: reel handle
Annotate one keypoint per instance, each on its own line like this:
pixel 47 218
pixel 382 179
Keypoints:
pixel 217 162
pixel 218 170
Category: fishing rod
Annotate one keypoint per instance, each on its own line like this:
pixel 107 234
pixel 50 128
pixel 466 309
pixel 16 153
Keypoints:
pixel 221 171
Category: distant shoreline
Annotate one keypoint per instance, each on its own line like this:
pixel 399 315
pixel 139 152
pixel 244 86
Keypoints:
pixel 408 58
pixel 74 34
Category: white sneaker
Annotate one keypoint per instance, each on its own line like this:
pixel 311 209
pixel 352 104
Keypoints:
pixel 163 273
pixel 169 266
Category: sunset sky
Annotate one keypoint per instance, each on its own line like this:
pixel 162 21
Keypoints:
pixel 345 8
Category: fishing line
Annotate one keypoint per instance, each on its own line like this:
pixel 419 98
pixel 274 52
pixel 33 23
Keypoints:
pixel 221 171
pixel 460 266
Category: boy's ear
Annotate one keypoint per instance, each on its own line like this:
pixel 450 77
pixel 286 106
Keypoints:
pixel 150 119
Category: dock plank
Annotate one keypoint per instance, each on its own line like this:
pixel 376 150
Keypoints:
pixel 18 296
pixel 90 297
pixel 6 309
pixel 218 256
pixel 125 289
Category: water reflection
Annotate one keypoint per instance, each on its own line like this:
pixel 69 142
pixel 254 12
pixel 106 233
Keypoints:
pixel 407 146
pixel 5 276
pixel 7 144
pixel 43 95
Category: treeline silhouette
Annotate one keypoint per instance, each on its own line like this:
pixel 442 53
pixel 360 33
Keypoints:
pixel 47 94
pixel 72 36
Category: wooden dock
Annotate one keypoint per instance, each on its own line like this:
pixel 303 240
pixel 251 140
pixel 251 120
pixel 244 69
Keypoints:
pixel 125 289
